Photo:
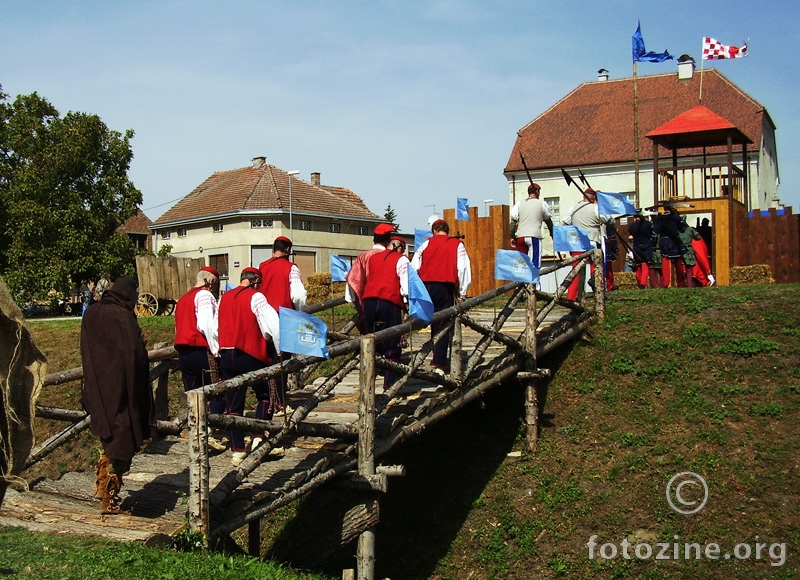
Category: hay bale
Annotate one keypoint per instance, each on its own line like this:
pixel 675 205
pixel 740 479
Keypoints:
pixel 755 274
pixel 625 280
pixel 320 288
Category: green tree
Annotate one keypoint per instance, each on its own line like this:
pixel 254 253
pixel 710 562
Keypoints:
pixel 64 190
pixel 391 217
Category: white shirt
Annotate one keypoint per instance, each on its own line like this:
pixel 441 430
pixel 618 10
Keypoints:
pixel 527 217
pixel 268 320
pixel 297 292
pixel 205 310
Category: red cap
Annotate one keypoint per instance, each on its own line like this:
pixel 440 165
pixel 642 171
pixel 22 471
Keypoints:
pixel 399 239
pixel 533 187
pixel 283 239
pixel 383 229
pixel 589 191
pixel 210 270
pixel 251 270
pixel 437 222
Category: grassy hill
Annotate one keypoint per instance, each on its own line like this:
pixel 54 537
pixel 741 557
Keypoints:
pixel 701 380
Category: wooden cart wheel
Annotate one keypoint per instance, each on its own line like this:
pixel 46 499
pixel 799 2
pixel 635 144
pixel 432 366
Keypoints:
pixel 166 307
pixel 148 305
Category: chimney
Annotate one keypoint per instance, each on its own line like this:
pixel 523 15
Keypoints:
pixel 259 162
pixel 602 75
pixel 685 67
pixel 315 178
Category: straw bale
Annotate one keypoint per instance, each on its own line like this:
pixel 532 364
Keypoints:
pixel 755 274
pixel 625 280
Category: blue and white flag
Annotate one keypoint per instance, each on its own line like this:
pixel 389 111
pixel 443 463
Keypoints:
pixel 571 239
pixel 229 286
pixel 462 209
pixel 420 236
pixel 302 333
pixel 420 304
pixel 614 204
pixel 516 266
pixel 339 268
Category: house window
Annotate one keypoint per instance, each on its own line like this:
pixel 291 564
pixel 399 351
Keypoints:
pixel 305 225
pixel 363 231
pixel 182 232
pixel 220 263
pixel 165 235
pixel 261 223
pixel 554 203
pixel 217 227
pixel 335 228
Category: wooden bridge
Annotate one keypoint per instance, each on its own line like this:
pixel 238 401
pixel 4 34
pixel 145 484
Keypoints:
pixel 340 424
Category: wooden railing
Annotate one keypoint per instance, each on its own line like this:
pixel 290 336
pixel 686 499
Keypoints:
pixel 701 182
pixel 469 378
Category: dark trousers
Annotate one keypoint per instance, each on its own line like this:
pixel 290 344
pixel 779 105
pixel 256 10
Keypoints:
pixel 378 315
pixel 196 370
pixel 443 297
pixel 234 362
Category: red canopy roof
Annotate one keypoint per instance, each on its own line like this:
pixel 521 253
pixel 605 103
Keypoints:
pixel 699 126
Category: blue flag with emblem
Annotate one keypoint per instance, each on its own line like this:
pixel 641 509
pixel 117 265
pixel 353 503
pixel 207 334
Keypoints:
pixel 462 209
pixel 420 236
pixel 302 333
pixel 339 268
pixel 571 239
pixel 515 266
pixel 614 204
pixel 420 304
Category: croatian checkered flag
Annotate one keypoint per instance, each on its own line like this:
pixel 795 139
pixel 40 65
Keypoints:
pixel 714 50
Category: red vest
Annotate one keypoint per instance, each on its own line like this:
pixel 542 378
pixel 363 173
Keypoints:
pixel 440 260
pixel 275 282
pixel 238 326
pixel 186 332
pixel 382 281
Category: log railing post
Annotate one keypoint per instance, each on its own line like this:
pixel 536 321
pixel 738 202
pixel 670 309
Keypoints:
pixel 199 484
pixel 366 449
pixel 456 353
pixel 531 397
pixel 599 285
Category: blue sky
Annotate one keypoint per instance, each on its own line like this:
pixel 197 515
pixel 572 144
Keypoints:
pixel 406 103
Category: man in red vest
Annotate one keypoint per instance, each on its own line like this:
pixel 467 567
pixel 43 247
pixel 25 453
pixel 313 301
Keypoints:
pixel 196 338
pixel 249 338
pixel 357 275
pixel 384 298
pixel 443 265
pixel 280 279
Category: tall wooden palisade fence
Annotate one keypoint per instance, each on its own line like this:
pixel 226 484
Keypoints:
pixel 483 237
pixel 770 239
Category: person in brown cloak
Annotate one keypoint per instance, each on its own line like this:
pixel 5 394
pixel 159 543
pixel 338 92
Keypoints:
pixel 116 385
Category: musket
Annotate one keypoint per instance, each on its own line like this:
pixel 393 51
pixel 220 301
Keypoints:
pixel 525 165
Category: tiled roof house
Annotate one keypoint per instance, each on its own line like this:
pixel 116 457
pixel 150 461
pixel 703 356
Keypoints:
pixel 232 218
pixel 592 128
pixel 138 229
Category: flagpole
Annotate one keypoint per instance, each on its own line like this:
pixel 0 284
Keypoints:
pixel 702 64
pixel 635 134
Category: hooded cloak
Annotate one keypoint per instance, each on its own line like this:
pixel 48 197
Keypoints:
pixel 116 389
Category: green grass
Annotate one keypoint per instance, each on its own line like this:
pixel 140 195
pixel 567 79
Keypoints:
pixel 27 555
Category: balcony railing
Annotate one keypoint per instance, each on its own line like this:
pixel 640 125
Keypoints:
pixel 701 182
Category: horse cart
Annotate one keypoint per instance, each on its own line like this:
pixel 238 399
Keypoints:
pixel 162 281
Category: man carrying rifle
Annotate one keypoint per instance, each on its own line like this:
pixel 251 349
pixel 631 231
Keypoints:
pixel 586 216
pixel 527 217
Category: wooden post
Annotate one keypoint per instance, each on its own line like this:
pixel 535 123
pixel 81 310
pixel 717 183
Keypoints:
pixel 366 449
pixel 599 285
pixel 456 356
pixel 254 538
pixel 531 398
pixel 198 464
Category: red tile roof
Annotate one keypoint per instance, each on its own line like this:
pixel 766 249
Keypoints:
pixel 593 124
pixel 264 188
pixel 137 224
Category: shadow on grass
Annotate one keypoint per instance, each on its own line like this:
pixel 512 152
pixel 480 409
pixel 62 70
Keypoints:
pixel 447 469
